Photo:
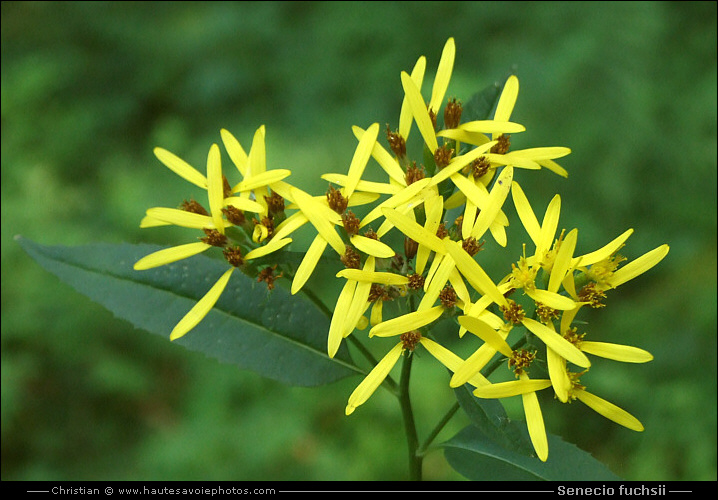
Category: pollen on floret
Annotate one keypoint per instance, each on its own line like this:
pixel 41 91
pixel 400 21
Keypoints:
pixel 601 272
pixel 396 142
pixel 267 275
pixel 523 276
pixel 479 167
pixel 263 229
pixel 234 215
pixel 441 231
pixel 545 313
pixel 351 223
pixel 233 255
pixel 416 281
pixel 503 145
pixel 214 238
pixel 575 384
pixel 414 173
pixel 448 297
pixel 410 248
pixel 452 113
pixel 471 246
pixel 513 312
pixel 442 156
pixel 572 336
pixel 194 207
pixel 410 339
pixel 351 258
pixel 275 203
pixel 520 360
pixel 592 295
pixel 336 201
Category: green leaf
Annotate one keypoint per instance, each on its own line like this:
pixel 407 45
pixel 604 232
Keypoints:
pixel 489 416
pixel 481 105
pixel 478 458
pixel 276 334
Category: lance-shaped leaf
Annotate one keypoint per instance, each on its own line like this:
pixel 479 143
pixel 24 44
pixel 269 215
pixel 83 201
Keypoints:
pixel 477 457
pixel 277 335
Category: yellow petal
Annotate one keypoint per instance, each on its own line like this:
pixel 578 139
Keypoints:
pixel 257 161
pixel 414 230
pixel 525 212
pixel 420 112
pixel 372 247
pixel 271 247
pixel 506 103
pixel 609 410
pixel 459 162
pixel 511 388
pixel 201 308
pixel 235 151
pixel 169 255
pixel 244 204
pixel 443 76
pixel 405 115
pixel 376 313
pixel 548 227
pixel 262 179
pixel 568 316
pixel 182 218
pixel 437 283
pixel 617 352
pixel 492 127
pixel 469 370
pixel 535 424
pixel 556 342
pixel 497 196
pixel 638 266
pixel 336 327
pixel 309 262
pixel 473 272
pixel 562 262
pixel 407 322
pixel 148 221
pixel 215 186
pixel 374 379
pixel 360 300
pixel 315 214
pixel 404 196
pixel 373 277
pixel 486 333
pixel 451 360
pixel 360 159
pixel 290 224
pixel 181 167
pixel 368 186
pixel 554 167
pixel 604 252
pixel 546 153
pixel 558 374
pixel 459 135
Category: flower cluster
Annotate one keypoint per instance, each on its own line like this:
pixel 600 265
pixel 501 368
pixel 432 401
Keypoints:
pixel 414 238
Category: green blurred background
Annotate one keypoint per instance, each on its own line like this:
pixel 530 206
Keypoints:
pixel 88 89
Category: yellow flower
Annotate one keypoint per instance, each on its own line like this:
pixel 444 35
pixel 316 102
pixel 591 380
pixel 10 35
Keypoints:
pixel 560 376
pixel 601 406
pixel 213 226
pixel 253 167
pixel 419 110
pixel 527 388
pixel 475 133
pixel 407 343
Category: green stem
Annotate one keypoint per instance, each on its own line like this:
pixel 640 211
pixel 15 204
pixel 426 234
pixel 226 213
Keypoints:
pixel 437 429
pixel 415 459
